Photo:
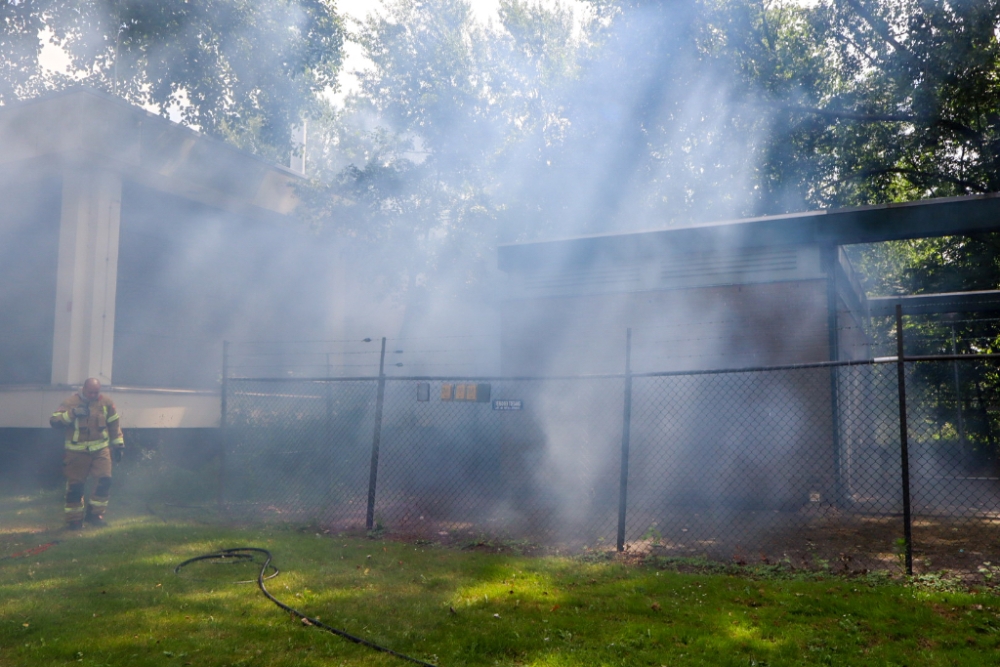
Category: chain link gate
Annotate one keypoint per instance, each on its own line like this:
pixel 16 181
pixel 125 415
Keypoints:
pixel 298 450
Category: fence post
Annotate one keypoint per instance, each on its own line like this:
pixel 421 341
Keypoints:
pixel 626 435
pixel 223 426
pixel 833 342
pixel 904 449
pixel 376 440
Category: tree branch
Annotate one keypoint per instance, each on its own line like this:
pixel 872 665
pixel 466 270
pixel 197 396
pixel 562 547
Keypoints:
pixel 918 177
pixel 851 115
pixel 847 37
pixel 879 26
pixel 964 131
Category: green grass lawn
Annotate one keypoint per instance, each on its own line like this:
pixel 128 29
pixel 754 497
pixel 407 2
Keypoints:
pixel 110 597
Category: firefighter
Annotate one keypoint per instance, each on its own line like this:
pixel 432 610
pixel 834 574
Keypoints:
pixel 93 438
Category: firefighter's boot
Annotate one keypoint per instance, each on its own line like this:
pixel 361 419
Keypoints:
pixel 95 520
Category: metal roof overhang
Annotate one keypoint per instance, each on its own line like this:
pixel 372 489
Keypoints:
pixel 82 128
pixel 834 227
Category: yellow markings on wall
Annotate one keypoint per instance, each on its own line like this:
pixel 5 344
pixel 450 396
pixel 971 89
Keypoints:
pixel 477 393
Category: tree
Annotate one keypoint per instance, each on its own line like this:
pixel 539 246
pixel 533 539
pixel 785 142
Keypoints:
pixel 840 102
pixel 653 136
pixel 874 100
pixel 237 69
pixel 670 112
pixel 419 162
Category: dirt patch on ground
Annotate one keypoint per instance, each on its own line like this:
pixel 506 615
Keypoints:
pixel 961 550
pixel 820 539
pixel 965 551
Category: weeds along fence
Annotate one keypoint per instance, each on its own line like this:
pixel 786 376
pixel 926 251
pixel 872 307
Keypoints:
pixel 856 460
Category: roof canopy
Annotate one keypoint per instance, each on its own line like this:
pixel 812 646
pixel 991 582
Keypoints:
pixel 927 218
pixel 81 128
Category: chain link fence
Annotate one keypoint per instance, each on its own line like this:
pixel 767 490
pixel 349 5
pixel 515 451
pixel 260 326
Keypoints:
pixel 549 469
pixel 804 464
pixel 299 450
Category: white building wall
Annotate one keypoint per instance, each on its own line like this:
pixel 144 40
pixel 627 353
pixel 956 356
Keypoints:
pixel 87 276
pixel 31 407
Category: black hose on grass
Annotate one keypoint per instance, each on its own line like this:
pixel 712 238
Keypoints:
pixel 225 557
pixel 241 553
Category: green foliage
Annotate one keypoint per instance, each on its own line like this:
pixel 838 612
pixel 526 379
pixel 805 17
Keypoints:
pixel 653 534
pixel 899 548
pixel 938 582
pixel 956 398
pixel 238 69
pixel 417 166
pixel 378 530
pixel 872 101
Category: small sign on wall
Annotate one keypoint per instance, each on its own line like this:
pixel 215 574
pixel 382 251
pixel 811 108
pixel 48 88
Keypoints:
pixel 507 404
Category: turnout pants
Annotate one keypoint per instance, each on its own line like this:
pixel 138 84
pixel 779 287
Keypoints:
pixel 77 467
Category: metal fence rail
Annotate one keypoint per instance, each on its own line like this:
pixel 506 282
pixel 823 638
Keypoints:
pixel 754 463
